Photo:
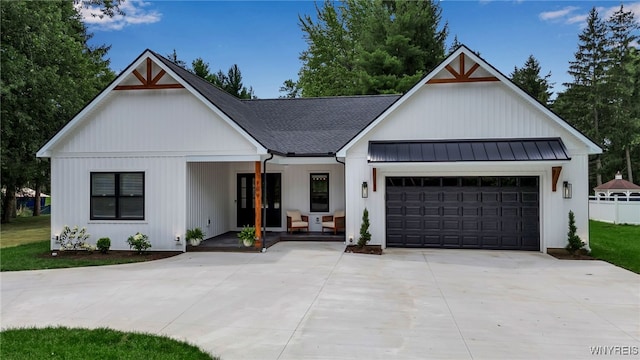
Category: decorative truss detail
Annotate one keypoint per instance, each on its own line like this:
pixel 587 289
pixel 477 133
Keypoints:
pixel 150 81
pixel 462 75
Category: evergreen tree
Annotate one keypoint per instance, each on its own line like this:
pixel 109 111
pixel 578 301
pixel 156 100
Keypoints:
pixel 230 82
pixel 584 104
pixel 365 235
pixel 529 79
pixel 370 47
pixel 454 45
pixel 574 243
pixel 621 83
pixel 290 89
pixel 173 57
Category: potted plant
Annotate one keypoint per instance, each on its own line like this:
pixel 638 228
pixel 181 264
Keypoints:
pixel 247 235
pixel 195 236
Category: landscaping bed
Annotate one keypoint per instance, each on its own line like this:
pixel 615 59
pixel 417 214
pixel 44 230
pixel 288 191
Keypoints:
pixel 116 255
pixel 563 254
pixel 367 249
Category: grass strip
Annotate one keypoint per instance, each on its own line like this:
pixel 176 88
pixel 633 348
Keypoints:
pixel 102 343
pixel 615 243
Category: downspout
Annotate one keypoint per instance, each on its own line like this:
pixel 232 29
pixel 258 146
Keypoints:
pixel 264 198
pixel 345 180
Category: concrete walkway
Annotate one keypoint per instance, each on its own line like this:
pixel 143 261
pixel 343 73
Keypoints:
pixel 312 301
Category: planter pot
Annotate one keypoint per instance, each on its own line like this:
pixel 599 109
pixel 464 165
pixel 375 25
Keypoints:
pixel 247 242
pixel 195 242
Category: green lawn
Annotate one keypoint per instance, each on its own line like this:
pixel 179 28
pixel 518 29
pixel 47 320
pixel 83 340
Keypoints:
pixel 617 244
pixel 24 230
pixel 36 256
pixel 73 343
pixel 25 245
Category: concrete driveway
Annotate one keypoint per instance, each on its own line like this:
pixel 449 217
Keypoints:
pixel 312 301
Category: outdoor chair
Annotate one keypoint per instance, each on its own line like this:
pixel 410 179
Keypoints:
pixel 334 222
pixel 295 220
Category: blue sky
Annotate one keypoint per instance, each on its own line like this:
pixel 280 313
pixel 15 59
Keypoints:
pixel 265 40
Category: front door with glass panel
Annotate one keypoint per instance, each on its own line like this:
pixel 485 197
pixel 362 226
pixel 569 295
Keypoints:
pixel 245 200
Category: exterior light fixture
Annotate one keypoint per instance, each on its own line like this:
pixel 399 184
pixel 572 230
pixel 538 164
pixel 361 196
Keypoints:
pixel 178 238
pixel 365 190
pixel 566 190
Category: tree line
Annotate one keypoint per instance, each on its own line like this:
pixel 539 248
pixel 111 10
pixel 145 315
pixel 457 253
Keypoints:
pixel 354 47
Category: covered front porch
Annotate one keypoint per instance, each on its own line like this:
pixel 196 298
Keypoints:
pixel 223 196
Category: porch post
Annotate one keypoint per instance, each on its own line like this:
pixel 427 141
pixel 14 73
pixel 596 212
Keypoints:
pixel 258 207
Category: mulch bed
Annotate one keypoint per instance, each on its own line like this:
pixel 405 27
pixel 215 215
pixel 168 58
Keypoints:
pixel 367 249
pixel 563 254
pixel 112 254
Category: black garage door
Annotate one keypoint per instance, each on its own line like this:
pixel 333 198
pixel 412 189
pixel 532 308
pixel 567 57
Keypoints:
pixel 463 212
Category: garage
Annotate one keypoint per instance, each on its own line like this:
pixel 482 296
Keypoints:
pixel 481 212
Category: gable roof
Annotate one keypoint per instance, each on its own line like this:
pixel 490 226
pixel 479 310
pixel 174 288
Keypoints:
pixel 488 73
pixel 288 127
pixel 303 126
pixel 181 76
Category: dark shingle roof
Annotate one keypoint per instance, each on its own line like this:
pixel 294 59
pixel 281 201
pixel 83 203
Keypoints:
pixel 314 126
pixel 305 126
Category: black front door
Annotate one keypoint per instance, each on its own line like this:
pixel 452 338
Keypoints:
pixel 246 205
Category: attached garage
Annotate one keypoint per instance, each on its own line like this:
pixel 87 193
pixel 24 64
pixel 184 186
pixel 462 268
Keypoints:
pixel 463 212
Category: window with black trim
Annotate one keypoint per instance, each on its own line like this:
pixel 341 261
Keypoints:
pixel 319 193
pixel 117 196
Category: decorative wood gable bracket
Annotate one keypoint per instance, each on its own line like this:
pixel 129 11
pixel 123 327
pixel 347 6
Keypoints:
pixel 462 74
pixel 150 81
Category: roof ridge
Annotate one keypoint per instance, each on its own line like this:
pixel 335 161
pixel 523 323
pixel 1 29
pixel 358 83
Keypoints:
pixel 324 97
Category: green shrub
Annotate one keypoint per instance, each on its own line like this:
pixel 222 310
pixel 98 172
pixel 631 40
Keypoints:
pixel 140 242
pixel 365 236
pixel 74 239
pixel 575 243
pixel 103 245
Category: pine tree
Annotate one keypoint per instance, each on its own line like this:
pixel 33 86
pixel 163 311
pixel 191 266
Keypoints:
pixel 574 241
pixel 621 84
pixel 365 236
pixel 529 79
pixel 587 105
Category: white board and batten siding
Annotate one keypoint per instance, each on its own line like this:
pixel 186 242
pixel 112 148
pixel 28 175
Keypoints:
pixel 208 201
pixel 153 131
pixel 483 110
pixel 164 211
pixel 159 122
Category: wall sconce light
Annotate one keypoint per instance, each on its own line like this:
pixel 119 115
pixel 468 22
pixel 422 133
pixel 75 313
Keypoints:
pixel 365 189
pixel 566 190
pixel 178 238
pixel 57 237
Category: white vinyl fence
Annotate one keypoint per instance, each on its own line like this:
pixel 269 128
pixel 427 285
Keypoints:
pixel 615 209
